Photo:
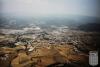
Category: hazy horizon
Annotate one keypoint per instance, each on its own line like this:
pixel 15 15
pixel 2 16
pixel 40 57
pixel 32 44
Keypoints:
pixel 50 7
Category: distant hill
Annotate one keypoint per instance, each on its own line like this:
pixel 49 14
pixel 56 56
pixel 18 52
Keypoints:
pixel 93 27
pixel 71 21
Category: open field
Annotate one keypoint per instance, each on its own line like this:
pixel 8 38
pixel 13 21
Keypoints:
pixel 47 50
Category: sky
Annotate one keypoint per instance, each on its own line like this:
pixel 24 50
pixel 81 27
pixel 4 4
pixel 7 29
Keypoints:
pixel 50 7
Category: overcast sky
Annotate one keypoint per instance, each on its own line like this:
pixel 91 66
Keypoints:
pixel 50 7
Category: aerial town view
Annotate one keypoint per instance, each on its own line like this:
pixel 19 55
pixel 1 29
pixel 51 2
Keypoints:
pixel 48 33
